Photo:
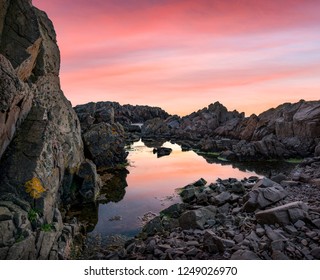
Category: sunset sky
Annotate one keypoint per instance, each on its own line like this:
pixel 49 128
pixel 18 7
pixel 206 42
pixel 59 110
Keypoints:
pixel 183 55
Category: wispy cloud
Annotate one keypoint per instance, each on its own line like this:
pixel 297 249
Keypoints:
pixel 189 53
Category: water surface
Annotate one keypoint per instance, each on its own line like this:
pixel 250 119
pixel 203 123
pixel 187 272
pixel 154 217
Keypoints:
pixel 151 185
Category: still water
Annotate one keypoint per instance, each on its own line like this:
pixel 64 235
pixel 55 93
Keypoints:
pixel 151 185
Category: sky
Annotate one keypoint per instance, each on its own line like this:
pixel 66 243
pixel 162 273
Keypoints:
pixel 182 55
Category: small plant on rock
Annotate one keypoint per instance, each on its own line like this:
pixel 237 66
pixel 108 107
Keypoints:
pixel 34 188
pixel 47 227
pixel 33 214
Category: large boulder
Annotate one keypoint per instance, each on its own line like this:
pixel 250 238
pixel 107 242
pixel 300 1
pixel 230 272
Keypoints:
pixel 284 214
pixel 104 144
pixel 193 219
pixel 263 195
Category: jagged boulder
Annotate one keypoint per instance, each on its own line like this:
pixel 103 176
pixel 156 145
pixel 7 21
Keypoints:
pixel 104 144
pixel 193 219
pixel 263 194
pixel 284 214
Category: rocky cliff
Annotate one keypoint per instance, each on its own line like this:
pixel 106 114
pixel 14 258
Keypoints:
pixel 290 130
pixel 40 139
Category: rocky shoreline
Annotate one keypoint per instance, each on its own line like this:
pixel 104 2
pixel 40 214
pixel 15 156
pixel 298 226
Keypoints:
pixel 53 157
pixel 254 218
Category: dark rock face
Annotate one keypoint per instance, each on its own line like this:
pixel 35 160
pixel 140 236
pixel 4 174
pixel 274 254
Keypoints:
pixel 110 112
pixel 162 151
pixel 104 144
pixel 288 131
pixel 40 135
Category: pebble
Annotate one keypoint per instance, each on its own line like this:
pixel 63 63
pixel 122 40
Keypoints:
pixel 299 224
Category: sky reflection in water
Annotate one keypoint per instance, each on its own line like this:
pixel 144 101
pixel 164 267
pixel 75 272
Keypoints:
pixel 152 180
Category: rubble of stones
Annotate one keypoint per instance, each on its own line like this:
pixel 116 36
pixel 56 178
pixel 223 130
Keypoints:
pixel 250 219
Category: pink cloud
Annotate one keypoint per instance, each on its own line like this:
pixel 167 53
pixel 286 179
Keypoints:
pixel 191 53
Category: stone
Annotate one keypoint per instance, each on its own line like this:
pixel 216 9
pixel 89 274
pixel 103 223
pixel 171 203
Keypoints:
pixel 291 230
pixel 316 253
pixel 222 198
pixel 174 211
pixel 212 243
pixel 200 183
pixel 316 222
pixel 7 232
pixel 274 235
pixel 278 255
pixel 105 144
pixel 279 178
pixel 277 245
pixel 3 253
pixel 162 151
pixel 189 193
pixel 317 150
pixel 45 244
pixel 260 231
pixel 264 183
pixel 238 238
pixel 261 197
pixel 299 224
pixel 284 214
pixel 23 250
pixel 153 226
pixel 244 255
pixel 193 219
pixel 5 214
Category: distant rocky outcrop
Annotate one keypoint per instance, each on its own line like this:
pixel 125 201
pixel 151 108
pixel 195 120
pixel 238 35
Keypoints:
pixel 40 139
pixel 110 112
pixel 288 131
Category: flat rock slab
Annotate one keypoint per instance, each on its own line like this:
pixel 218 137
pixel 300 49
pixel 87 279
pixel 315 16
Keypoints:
pixel 284 214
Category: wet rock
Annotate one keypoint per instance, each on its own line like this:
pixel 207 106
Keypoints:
pixel 200 183
pixel 190 192
pixel 284 214
pixel 174 211
pixel 162 151
pixel 153 226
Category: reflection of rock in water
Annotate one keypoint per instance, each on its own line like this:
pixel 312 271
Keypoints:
pixel 265 168
pixel 152 143
pixel 113 190
pixel 86 214
pixel 114 184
